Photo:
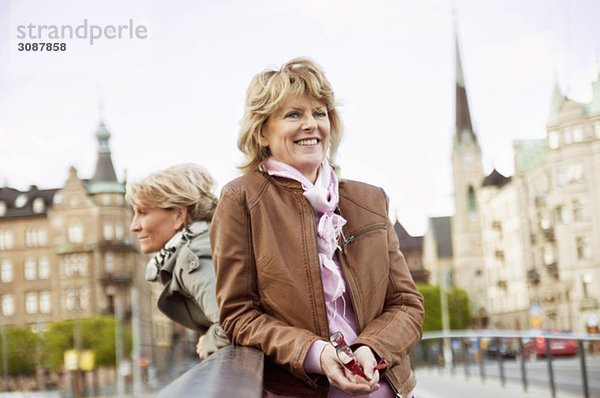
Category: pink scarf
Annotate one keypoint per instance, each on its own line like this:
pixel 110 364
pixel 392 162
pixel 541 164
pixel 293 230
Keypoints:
pixel 324 198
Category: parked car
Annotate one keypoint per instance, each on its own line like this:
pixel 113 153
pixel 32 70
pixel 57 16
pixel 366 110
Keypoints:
pixel 558 346
pixel 498 347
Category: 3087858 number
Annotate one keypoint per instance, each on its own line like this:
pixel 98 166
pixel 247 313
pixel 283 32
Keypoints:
pixel 42 46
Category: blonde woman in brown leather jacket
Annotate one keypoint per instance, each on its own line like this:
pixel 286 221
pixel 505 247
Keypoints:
pixel 300 254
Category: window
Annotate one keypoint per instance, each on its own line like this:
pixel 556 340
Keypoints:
pixel 75 264
pixel 579 210
pixel 553 139
pixel 75 233
pixel 84 298
pixel 575 172
pixel 41 236
pixel 74 201
pixel 584 250
pixel 6 239
pixel 70 299
pixel 119 231
pixel 472 202
pixel 597 128
pixel 30 268
pixel 567 136
pixel 31 303
pixel 3 208
pixel 109 262
pixel 105 199
pixel 561 214
pixel 38 205
pixel 8 305
pixel 561 175
pixel 57 198
pixel 43 268
pixel 108 230
pixel 35 237
pixel 76 299
pixel 45 302
pixel 577 132
pixel 548 253
pixel 21 200
pixel 6 271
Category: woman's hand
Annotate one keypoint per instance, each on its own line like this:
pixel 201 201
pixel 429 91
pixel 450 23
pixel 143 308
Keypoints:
pixel 201 354
pixel 341 378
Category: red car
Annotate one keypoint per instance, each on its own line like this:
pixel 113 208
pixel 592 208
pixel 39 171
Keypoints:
pixel 558 347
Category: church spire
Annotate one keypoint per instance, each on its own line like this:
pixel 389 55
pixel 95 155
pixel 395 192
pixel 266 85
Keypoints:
pixel 105 171
pixel 463 116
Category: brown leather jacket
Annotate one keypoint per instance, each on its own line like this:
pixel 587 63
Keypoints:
pixel 269 289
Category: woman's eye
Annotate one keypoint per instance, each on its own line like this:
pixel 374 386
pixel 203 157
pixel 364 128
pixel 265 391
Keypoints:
pixel 292 115
pixel 320 114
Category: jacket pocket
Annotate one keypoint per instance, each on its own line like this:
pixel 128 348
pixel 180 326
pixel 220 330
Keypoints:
pixel 361 232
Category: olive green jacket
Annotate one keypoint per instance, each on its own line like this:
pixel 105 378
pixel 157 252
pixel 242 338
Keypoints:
pixel 189 295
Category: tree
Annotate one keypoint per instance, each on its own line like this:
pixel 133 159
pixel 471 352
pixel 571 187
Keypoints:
pixel 458 308
pixel 22 350
pixel 97 334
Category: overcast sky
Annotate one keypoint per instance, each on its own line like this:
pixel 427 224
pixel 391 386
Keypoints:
pixel 177 95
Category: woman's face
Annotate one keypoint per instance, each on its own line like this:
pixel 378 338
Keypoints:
pixel 298 134
pixel 154 226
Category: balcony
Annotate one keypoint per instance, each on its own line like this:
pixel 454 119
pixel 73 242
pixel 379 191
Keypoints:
pixel 552 269
pixel 117 279
pixel 116 244
pixel 549 234
pixel 533 276
pixel 588 304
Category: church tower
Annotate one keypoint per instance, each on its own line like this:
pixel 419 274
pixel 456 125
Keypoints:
pixel 467 174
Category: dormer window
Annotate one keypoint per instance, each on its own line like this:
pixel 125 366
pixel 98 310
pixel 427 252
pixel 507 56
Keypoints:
pixel 38 205
pixel 57 198
pixel 3 208
pixel 21 200
pixel 577 134
pixel 553 140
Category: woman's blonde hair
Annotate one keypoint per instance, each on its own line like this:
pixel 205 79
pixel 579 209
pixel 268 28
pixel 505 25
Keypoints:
pixel 266 93
pixel 186 186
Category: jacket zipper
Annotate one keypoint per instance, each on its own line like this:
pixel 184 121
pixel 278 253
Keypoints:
pixel 347 241
pixel 393 387
pixel 360 232
pixel 314 230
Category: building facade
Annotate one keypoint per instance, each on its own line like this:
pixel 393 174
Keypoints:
pixel 527 248
pixel 67 253
pixel 562 207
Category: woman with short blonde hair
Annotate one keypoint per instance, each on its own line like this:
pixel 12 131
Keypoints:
pixel 172 212
pixel 267 91
pixel 305 260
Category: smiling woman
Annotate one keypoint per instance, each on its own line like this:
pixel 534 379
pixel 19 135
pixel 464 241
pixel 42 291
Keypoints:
pixel 286 277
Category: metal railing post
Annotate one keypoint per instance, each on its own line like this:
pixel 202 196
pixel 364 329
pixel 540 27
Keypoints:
pixel 523 359
pixel 584 379
pixel 550 369
pixel 465 349
pixel 481 361
pixel 501 363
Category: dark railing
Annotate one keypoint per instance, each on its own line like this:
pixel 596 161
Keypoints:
pixel 467 348
pixel 229 372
